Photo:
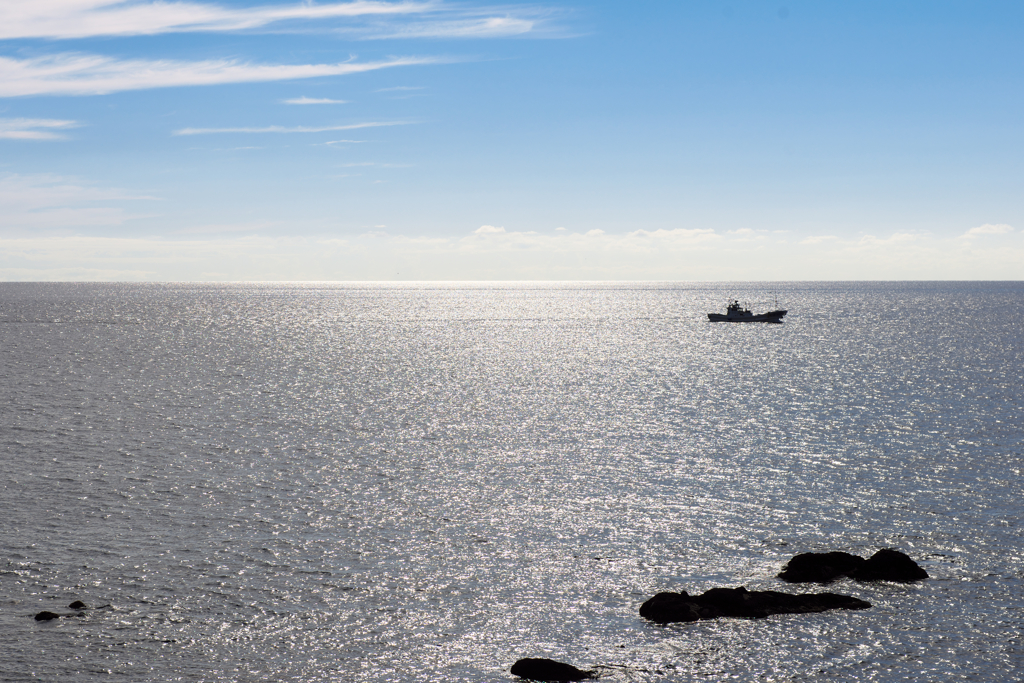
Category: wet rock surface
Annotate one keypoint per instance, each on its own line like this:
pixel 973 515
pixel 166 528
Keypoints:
pixel 541 669
pixel 667 608
pixel 820 567
pixel 890 565
pixel 885 565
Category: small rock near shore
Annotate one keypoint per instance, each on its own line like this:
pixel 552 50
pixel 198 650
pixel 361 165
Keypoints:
pixel 47 616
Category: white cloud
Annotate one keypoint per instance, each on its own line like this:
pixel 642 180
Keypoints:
pixel 677 235
pixel 488 230
pixel 82 74
pixel 988 229
pixel 818 239
pixel 314 100
pixel 34 129
pixel 86 18
pixel 289 129
pixel 892 240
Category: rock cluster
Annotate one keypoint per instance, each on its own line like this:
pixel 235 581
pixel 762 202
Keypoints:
pixel 665 608
pixel 46 615
pixel 885 565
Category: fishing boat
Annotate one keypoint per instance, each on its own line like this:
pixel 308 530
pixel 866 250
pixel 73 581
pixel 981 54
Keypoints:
pixel 735 313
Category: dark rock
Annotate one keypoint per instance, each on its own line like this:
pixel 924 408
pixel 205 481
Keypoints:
pixel 885 565
pixel 46 616
pixel 667 608
pixel 541 669
pixel 820 567
pixel 78 604
pixel 889 565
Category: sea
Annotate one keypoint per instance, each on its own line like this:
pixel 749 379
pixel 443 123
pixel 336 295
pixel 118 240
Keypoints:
pixel 429 481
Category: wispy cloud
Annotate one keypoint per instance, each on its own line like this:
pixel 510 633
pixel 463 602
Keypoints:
pixel 314 100
pixel 68 19
pixel 289 129
pixel 35 201
pixel 34 129
pixel 482 27
pixel 490 238
pixel 221 228
pixel 987 229
pixel 57 19
pixel 81 74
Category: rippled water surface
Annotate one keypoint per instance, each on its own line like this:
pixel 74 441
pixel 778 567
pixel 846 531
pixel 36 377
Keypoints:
pixel 428 482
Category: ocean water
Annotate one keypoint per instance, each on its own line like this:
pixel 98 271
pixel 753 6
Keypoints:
pixel 339 482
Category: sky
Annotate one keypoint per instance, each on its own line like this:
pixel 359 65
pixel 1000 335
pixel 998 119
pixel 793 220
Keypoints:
pixel 376 141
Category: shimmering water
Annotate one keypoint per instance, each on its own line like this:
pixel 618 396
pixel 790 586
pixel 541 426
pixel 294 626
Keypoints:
pixel 413 482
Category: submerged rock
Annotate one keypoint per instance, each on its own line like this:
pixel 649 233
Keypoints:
pixel 667 608
pixel 78 604
pixel 541 669
pixel 885 565
pixel 47 616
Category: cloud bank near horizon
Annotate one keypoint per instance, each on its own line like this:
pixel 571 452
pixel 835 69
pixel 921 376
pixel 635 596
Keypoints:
pixel 58 228
pixel 499 254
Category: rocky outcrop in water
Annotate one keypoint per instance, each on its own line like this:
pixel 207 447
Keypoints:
pixel 667 608
pixel 47 615
pixel 889 565
pixel 885 565
pixel 820 567
pixel 541 669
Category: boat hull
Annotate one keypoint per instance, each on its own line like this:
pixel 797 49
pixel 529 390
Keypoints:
pixel 747 317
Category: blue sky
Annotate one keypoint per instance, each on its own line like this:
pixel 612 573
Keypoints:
pixel 704 140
